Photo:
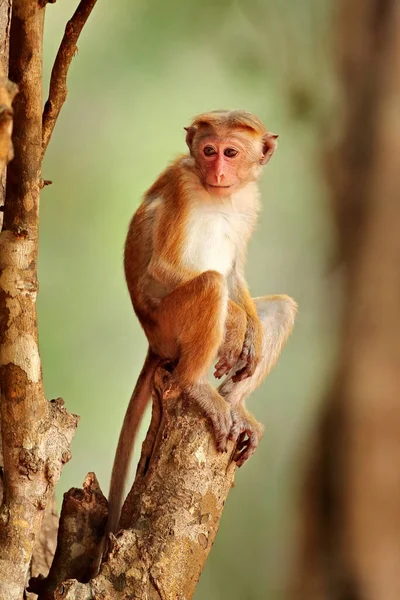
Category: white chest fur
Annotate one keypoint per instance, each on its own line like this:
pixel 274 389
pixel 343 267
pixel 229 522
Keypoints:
pixel 216 231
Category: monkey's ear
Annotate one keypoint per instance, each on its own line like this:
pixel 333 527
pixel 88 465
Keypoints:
pixel 269 145
pixel 190 131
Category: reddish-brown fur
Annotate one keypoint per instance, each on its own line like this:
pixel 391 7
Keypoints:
pixel 191 297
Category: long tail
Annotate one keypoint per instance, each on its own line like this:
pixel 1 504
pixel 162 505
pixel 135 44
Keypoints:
pixel 126 442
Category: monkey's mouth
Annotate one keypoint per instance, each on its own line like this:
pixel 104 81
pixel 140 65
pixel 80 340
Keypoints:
pixel 225 187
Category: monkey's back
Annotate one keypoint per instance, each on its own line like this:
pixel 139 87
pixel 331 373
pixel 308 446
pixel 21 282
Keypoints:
pixel 138 253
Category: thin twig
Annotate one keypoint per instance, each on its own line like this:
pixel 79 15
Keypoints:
pixel 58 81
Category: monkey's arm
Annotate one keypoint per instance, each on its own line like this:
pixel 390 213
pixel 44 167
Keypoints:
pixel 167 266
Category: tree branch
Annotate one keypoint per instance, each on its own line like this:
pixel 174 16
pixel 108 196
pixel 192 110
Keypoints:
pixel 172 513
pixel 58 81
pixel 36 434
pixel 6 148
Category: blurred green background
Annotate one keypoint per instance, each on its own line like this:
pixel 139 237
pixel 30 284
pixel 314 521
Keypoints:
pixel 144 68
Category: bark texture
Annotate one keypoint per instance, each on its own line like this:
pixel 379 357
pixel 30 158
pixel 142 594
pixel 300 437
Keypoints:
pixel 5 135
pixel 7 93
pixel 171 515
pixel 82 524
pixel 350 547
pixel 5 24
pixel 36 435
pixel 45 545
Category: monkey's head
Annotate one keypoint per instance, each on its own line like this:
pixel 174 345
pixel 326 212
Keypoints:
pixel 229 149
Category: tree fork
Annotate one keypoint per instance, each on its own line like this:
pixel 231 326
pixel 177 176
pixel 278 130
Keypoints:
pixel 171 515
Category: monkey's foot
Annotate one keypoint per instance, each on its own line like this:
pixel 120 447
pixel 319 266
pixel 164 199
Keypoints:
pixel 216 408
pixel 222 427
pixel 246 431
pixel 221 418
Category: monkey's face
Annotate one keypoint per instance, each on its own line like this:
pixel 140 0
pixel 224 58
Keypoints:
pixel 227 163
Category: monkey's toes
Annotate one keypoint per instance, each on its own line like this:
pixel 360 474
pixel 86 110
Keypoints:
pixel 222 424
pixel 247 432
pixel 247 450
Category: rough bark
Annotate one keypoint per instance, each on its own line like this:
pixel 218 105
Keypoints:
pixel 350 546
pixel 7 93
pixel 36 435
pixel 171 515
pixel 5 135
pixel 5 24
pixel 45 546
pixel 82 525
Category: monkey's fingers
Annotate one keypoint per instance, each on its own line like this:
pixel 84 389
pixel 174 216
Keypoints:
pixel 246 371
pixel 224 365
pixel 249 360
pixel 221 368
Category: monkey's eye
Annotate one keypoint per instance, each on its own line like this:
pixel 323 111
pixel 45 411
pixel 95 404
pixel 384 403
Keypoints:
pixel 230 152
pixel 209 151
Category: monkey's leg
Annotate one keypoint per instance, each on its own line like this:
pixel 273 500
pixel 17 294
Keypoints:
pixel 277 315
pixel 192 318
pixel 232 346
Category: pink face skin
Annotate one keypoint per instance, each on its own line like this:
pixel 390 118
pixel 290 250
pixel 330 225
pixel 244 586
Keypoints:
pixel 228 164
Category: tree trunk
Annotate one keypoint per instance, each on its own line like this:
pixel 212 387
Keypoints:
pixel 36 435
pixel 350 543
pixel 5 23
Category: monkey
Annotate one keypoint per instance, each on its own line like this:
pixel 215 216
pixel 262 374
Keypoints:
pixel 184 267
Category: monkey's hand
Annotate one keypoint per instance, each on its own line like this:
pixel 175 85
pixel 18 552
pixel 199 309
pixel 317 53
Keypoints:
pixel 246 431
pixel 251 351
pixel 229 356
